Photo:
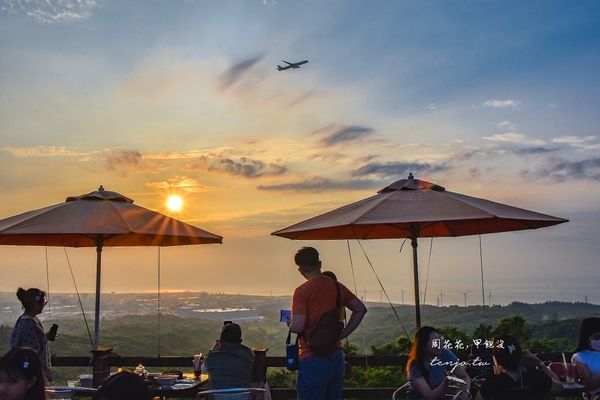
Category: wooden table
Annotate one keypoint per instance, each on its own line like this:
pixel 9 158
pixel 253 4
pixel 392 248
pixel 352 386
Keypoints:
pixel 76 392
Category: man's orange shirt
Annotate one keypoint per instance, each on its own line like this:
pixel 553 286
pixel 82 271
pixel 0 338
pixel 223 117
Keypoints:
pixel 314 298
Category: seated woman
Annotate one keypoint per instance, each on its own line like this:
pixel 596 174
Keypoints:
pixel 123 385
pixel 21 375
pixel 587 356
pixel 512 379
pixel 428 365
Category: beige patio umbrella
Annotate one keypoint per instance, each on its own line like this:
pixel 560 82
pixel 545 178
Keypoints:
pixel 99 219
pixel 412 208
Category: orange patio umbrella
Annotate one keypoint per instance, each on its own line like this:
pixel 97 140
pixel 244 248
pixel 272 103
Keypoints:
pixel 99 219
pixel 412 208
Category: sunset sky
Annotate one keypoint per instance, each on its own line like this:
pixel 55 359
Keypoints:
pixel 494 99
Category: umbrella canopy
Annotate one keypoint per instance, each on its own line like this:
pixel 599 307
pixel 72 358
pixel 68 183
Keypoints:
pixel 412 208
pixel 98 219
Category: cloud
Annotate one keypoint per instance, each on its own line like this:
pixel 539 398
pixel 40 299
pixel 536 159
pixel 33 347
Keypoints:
pixel 319 184
pixel 530 150
pixel 397 170
pixel 584 142
pixel 513 137
pixel 502 103
pixel 236 72
pixel 156 83
pixel 44 151
pixel 51 11
pixel 123 158
pixel 332 135
pixel 506 125
pixel 179 182
pixel 243 166
pixel 560 170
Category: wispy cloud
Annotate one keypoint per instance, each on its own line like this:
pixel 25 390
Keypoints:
pixel 179 182
pixel 45 151
pixel 51 11
pixel 333 135
pixel 530 150
pixel 560 170
pixel 502 103
pixel 242 166
pixel 505 125
pixel 155 82
pixel 513 137
pixel 585 142
pixel 319 184
pixel 397 169
pixel 236 72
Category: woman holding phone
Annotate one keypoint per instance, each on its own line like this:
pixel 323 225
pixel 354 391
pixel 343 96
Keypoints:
pixel 29 331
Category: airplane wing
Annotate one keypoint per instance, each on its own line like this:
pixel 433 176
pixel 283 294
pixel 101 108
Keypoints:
pixel 288 63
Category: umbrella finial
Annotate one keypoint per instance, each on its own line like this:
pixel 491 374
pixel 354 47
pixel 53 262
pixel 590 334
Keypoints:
pixel 101 188
pixel 410 176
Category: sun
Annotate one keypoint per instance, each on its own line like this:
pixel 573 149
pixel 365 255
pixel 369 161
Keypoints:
pixel 174 203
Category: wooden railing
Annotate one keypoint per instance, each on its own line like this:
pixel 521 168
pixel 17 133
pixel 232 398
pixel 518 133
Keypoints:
pixel 103 360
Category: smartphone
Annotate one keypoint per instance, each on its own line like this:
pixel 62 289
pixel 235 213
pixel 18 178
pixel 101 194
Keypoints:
pixel 52 332
pixel 227 322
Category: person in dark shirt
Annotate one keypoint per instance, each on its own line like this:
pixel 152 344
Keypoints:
pixel 229 363
pixel 513 380
pixel 123 385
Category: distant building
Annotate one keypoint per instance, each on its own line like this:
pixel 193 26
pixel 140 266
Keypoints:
pixel 219 314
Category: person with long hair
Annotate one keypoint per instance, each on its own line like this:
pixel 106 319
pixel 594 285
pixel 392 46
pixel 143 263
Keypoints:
pixel 587 356
pixel 516 377
pixel 428 366
pixel 29 331
pixel 21 375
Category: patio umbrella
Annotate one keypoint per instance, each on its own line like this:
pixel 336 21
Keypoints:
pixel 412 208
pixel 99 219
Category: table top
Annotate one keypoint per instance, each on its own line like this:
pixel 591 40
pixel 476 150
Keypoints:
pixel 181 388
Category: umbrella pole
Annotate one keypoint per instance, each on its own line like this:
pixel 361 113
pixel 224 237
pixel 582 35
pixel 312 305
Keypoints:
pixel 414 244
pixel 99 242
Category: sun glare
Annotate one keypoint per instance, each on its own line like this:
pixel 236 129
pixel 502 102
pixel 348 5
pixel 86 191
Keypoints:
pixel 175 203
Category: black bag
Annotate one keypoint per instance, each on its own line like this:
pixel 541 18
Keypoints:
pixel 327 332
pixel 291 353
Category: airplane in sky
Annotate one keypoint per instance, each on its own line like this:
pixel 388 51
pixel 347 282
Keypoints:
pixel 291 65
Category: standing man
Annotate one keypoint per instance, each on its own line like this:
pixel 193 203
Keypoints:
pixel 320 378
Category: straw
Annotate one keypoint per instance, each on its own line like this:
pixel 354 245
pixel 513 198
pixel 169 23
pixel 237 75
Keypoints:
pixel 566 368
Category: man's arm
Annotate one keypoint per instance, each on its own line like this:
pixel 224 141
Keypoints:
pixel 358 312
pixel 298 322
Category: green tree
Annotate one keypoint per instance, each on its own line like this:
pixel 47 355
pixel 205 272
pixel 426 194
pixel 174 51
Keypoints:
pixel 400 345
pixel 482 332
pixel 513 325
pixel 350 349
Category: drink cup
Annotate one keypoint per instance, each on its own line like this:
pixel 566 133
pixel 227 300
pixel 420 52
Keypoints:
pixel 198 360
pixel 85 380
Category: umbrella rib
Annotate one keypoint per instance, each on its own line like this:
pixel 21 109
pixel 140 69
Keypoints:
pixel 129 230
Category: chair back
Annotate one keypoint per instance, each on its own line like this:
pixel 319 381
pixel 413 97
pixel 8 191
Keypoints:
pixel 402 392
pixel 559 369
